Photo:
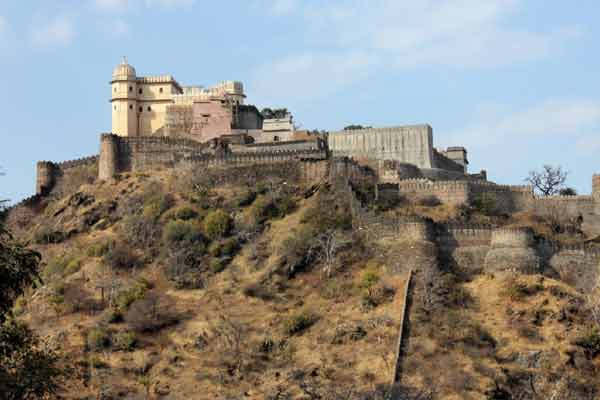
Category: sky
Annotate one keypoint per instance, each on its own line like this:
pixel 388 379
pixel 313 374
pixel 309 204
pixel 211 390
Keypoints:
pixel 515 82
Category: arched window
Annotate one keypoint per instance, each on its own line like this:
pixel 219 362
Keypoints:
pixel 160 90
pixel 141 109
pixel 131 88
pixel 149 109
pixel 131 106
pixel 140 91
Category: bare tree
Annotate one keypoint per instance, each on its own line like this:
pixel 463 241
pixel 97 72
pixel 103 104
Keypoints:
pixel 330 243
pixel 549 181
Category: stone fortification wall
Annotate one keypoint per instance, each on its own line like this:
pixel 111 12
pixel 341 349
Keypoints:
pixel 122 154
pixel 52 177
pixel 410 144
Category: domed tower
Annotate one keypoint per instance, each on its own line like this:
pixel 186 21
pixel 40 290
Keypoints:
pixel 123 100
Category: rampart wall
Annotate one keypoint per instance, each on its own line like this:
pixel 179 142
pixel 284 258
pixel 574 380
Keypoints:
pixel 52 177
pixel 122 154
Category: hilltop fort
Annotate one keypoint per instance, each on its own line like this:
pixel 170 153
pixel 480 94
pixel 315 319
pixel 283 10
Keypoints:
pixel 157 122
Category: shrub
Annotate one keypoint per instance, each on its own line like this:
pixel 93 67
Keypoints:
pixel 217 224
pixel 263 209
pixel 183 271
pixel 246 198
pixel 178 232
pixel 285 205
pixel 111 316
pixel 485 203
pixel 73 266
pixel 229 247
pixel 184 213
pixel 150 314
pixel 377 295
pixel 124 341
pixel 590 342
pixel 299 322
pixel 516 290
pixel 99 249
pixel 20 306
pixel 97 339
pixel 55 267
pixel 156 201
pixel 120 256
pixel 216 265
pixel 297 250
pixel 368 279
pixel 429 201
pixel 46 235
pixel 141 231
pixel 126 297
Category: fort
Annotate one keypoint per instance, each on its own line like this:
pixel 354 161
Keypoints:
pixel 157 123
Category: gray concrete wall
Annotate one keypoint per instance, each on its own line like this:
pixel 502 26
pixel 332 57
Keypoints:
pixel 411 144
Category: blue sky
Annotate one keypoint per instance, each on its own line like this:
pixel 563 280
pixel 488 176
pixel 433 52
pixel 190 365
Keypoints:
pixel 516 82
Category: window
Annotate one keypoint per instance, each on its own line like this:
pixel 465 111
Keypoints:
pixel 115 90
pixel 160 90
pixel 131 88
pixel 140 91
pixel 141 109
pixel 115 108
pixel 131 106
pixel 149 109
pixel 276 138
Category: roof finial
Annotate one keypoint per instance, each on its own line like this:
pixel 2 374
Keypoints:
pixel 124 60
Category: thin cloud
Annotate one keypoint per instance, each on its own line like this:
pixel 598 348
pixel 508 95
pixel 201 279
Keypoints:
pixel 575 118
pixel 112 5
pixel 57 31
pixel 3 25
pixel 396 34
pixel 170 3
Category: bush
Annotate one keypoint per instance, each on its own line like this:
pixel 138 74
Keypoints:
pixel 126 297
pixel 246 198
pixel 297 250
pixel 183 268
pixel 217 224
pixel 99 249
pixel 590 342
pixel 485 203
pixel 156 201
pixel 263 209
pixel 178 232
pixel 141 231
pixel 111 316
pixel 368 279
pixel 45 235
pixel 377 295
pixel 124 341
pixel 226 248
pixel 516 290
pixel 150 314
pixel 429 201
pixel 299 322
pixel 97 339
pixel 73 266
pixel 120 256
pixel 216 265
pixel 55 268
pixel 184 213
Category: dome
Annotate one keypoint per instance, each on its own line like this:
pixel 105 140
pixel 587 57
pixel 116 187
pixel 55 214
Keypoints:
pixel 123 71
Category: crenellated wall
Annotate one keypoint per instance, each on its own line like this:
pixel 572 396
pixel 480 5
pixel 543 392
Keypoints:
pixel 51 177
pixel 123 154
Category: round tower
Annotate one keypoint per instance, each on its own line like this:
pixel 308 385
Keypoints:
pixel 45 178
pixel 123 100
pixel 108 165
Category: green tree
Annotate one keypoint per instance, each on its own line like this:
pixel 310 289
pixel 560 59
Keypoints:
pixel 28 368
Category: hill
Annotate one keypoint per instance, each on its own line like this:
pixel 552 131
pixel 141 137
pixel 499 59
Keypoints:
pixel 235 283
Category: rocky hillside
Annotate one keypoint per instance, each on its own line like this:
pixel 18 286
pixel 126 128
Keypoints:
pixel 237 283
